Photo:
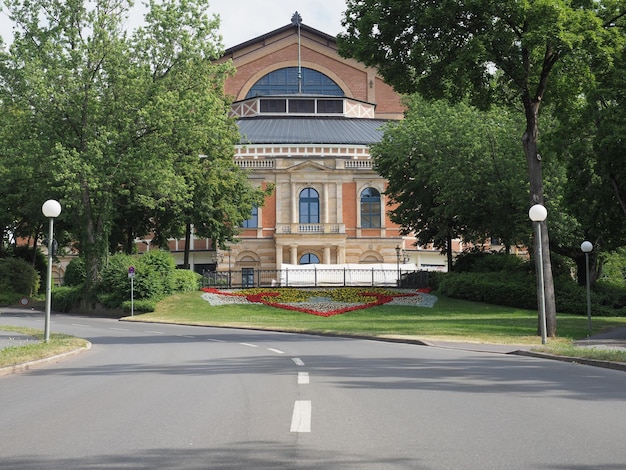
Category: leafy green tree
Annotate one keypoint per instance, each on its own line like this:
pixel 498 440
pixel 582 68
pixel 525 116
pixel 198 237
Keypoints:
pixel 108 114
pixel 454 172
pixel 514 51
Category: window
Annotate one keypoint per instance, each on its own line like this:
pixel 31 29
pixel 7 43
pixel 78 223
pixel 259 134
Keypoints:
pixel 301 106
pixel 309 258
pixel 273 106
pixel 330 106
pixel 309 206
pixel 247 277
pixel 370 208
pixel 253 221
pixel 285 82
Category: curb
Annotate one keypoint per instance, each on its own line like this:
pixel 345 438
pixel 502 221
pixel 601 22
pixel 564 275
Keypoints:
pixel 574 360
pixel 17 368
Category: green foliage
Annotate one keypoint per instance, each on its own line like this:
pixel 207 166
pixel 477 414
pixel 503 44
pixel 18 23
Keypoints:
pixel 139 306
pixel 19 276
pixel 184 280
pixel 66 298
pixel 487 261
pixel 614 269
pixel 8 297
pixel 155 277
pixel 455 172
pixel 75 274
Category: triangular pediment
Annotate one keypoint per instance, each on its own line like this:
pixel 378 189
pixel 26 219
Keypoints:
pixel 309 167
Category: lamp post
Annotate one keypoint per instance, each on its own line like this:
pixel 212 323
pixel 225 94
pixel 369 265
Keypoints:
pixel 398 263
pixel 538 214
pixel 50 209
pixel 586 248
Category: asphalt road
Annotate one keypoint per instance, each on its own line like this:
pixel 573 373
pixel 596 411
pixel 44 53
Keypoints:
pixel 167 396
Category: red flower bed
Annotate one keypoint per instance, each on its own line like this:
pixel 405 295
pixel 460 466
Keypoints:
pixel 265 298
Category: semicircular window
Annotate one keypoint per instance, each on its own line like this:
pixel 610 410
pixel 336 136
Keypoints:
pixel 285 82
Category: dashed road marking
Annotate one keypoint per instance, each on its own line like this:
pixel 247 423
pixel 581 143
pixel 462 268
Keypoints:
pixel 216 340
pixel 250 345
pixel 297 361
pixel 301 417
pixel 155 332
pixel 303 378
pixel 277 351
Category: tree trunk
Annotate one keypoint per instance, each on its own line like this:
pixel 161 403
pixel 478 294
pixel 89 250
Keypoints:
pixel 449 251
pixel 533 159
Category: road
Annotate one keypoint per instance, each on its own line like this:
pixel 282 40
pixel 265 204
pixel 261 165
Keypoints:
pixel 168 396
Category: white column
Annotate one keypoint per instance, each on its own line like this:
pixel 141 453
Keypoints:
pixel 326 255
pixel 279 256
pixel 294 254
pixel 325 202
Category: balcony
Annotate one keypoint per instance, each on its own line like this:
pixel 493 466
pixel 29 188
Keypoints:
pixel 310 229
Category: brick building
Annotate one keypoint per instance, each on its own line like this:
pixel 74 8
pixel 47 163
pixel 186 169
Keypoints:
pixel 307 118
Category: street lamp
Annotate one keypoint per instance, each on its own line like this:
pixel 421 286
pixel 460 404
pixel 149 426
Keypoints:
pixel 50 209
pixel 586 248
pixel 398 262
pixel 538 214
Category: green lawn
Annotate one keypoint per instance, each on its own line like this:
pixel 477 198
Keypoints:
pixel 449 319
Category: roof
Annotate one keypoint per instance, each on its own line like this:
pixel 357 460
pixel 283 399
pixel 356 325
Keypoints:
pixel 308 130
pixel 303 28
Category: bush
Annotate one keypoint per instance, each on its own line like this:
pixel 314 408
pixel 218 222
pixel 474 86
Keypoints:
pixel 509 289
pixel 139 306
pixel 486 262
pixel 155 277
pixel 19 276
pixel 65 298
pixel 75 273
pixel 183 280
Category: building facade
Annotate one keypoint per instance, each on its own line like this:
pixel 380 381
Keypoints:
pixel 307 118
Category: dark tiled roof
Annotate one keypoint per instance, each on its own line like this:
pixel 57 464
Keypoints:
pixel 310 130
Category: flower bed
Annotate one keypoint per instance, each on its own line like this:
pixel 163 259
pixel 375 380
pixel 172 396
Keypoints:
pixel 322 302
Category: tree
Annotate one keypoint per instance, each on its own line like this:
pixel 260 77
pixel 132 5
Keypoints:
pixel 488 52
pixel 454 172
pixel 110 113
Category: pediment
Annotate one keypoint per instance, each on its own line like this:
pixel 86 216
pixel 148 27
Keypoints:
pixel 308 167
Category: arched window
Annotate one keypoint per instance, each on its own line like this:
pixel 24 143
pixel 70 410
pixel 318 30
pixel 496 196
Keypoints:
pixel 370 208
pixel 309 206
pixel 285 82
pixel 309 258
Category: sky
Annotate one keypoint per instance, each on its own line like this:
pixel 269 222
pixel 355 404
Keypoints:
pixel 241 20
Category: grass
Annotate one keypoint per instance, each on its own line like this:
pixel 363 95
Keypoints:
pixel 58 344
pixel 448 320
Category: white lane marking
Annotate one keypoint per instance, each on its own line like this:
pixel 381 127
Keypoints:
pixel 277 351
pixel 297 361
pixel 119 329
pixel 187 336
pixel 248 344
pixel 301 417
pixel 155 332
pixel 303 378
pixel 216 340
pixel 81 325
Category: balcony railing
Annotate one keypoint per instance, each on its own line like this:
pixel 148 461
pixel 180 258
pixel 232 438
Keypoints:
pixel 311 228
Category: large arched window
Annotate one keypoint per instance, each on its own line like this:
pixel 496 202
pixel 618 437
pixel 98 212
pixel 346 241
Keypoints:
pixel 370 208
pixel 309 258
pixel 309 206
pixel 285 82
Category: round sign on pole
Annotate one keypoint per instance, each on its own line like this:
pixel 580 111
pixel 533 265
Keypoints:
pixel 24 301
pixel 131 271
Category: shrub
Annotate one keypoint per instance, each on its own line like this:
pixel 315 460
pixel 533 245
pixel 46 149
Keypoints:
pixel 75 274
pixel 162 264
pixel 19 276
pixel 486 262
pixel 139 306
pixel 65 298
pixel 183 280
